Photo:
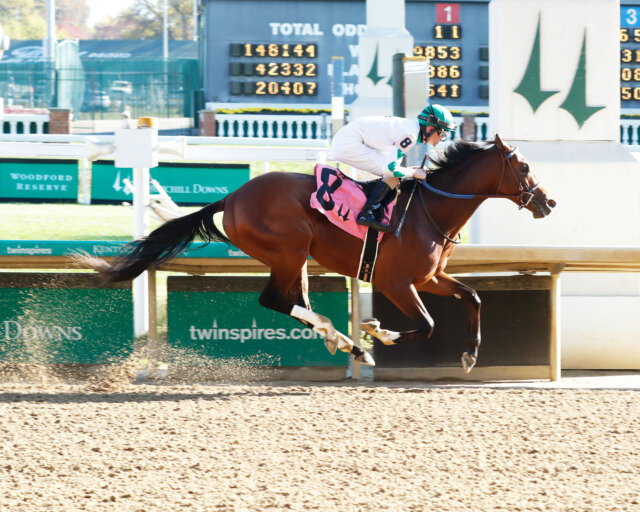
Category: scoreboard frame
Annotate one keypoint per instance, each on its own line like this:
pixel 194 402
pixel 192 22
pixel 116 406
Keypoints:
pixel 284 55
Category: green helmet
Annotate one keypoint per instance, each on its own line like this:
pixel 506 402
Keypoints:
pixel 438 117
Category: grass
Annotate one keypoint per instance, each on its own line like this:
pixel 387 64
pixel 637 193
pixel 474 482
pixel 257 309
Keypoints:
pixel 57 221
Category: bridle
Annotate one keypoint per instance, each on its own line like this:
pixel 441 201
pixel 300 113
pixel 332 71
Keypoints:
pixel 524 196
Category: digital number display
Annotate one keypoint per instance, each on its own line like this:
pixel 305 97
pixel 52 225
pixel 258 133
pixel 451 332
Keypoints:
pixel 439 72
pixel 447 31
pixel 629 54
pixel 272 88
pixel 445 90
pixel 285 53
pixel 294 69
pixel 630 93
pixel 444 71
pixel 285 74
pixel 270 50
pixel 439 52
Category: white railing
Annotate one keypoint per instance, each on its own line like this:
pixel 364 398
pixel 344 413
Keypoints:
pixel 15 124
pixel 630 131
pixel 285 126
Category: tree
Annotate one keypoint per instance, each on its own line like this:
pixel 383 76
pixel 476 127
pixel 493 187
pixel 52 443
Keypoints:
pixel 144 21
pixel 23 19
pixel 26 19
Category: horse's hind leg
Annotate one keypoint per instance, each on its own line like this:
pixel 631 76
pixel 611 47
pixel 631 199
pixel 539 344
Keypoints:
pixel 290 296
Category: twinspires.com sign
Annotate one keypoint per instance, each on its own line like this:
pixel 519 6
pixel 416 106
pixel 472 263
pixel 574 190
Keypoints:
pixel 221 318
pixel 185 183
pixel 62 318
pixel 38 179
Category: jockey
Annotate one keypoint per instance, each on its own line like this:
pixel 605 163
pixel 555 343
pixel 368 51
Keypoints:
pixel 377 144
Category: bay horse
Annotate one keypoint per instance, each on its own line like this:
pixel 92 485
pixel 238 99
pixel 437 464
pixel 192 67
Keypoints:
pixel 270 219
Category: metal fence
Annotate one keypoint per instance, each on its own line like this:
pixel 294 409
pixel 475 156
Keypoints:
pixel 104 91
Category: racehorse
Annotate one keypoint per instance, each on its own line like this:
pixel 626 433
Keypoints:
pixel 270 219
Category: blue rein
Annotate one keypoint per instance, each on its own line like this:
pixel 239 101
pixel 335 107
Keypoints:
pixel 467 196
pixel 445 194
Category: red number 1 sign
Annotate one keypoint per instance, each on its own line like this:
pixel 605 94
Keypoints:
pixel 447 13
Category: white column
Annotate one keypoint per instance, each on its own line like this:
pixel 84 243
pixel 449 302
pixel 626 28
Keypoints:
pixel 141 229
pixel 385 36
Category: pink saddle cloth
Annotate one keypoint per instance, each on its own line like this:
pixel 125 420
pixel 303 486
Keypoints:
pixel 341 199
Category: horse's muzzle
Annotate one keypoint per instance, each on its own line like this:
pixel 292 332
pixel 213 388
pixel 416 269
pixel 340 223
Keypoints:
pixel 541 207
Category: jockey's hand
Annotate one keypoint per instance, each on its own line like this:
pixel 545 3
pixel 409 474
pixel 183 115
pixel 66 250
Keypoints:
pixel 419 173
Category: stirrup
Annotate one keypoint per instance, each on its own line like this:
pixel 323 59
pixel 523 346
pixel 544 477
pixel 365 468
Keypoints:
pixel 371 222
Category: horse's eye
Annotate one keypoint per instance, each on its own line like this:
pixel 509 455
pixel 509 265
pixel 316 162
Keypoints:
pixel 524 169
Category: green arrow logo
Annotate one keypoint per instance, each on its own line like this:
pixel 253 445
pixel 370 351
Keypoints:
pixel 530 88
pixel 373 73
pixel 576 101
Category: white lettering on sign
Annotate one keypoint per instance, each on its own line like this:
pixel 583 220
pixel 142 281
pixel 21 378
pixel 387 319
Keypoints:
pixel 354 50
pixel 41 177
pixel 348 88
pixel 15 330
pixel 296 29
pixel 29 250
pixel 204 189
pixel 243 334
pixel 348 30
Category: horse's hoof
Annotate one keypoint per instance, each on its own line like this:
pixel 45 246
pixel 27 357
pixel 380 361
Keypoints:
pixel 332 345
pixel 370 325
pixel 468 362
pixel 365 359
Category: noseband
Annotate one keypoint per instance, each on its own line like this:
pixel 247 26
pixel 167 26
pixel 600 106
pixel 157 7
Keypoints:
pixel 524 196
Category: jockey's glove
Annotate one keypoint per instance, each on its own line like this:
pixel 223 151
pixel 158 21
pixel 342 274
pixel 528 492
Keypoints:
pixel 419 173
pixel 409 172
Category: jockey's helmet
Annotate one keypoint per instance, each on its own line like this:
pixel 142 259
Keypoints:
pixel 438 117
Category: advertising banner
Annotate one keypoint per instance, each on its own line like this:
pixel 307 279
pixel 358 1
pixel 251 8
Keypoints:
pixel 64 319
pixel 185 183
pixel 38 179
pixel 221 318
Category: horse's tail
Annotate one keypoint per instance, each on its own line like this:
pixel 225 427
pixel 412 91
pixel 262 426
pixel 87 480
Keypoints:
pixel 162 244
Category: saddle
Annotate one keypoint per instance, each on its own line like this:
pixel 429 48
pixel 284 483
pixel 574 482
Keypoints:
pixel 340 199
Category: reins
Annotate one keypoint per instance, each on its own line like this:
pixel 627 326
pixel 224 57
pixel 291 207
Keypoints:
pixel 525 196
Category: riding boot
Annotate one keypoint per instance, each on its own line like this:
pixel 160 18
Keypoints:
pixel 372 214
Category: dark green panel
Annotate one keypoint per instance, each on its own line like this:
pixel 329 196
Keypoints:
pixel 233 325
pixel 186 184
pixel 46 320
pixel 38 179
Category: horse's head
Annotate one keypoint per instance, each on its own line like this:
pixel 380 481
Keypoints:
pixel 521 184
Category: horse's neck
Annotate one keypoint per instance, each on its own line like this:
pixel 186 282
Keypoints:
pixel 477 178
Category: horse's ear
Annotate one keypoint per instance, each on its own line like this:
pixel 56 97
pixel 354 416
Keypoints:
pixel 499 142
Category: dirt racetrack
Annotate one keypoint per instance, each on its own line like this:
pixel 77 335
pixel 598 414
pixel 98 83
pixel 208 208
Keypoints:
pixel 338 447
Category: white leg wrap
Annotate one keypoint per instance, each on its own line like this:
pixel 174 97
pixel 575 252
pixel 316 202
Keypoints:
pixel 386 336
pixel 323 326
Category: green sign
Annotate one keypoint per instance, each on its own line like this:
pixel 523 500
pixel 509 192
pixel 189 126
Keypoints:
pixel 185 183
pixel 221 318
pixel 105 249
pixel 64 319
pixel 38 179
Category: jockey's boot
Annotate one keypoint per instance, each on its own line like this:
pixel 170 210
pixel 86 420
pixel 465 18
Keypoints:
pixel 372 214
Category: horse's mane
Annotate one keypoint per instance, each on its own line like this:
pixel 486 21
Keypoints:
pixel 457 154
pixel 454 155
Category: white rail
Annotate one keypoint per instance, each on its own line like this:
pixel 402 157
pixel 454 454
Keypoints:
pixel 14 124
pixel 199 149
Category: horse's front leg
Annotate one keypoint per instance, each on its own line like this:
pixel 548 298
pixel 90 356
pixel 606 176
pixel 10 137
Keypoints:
pixel 444 284
pixel 406 299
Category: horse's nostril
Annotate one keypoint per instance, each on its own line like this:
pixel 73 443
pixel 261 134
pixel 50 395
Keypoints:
pixel 551 203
